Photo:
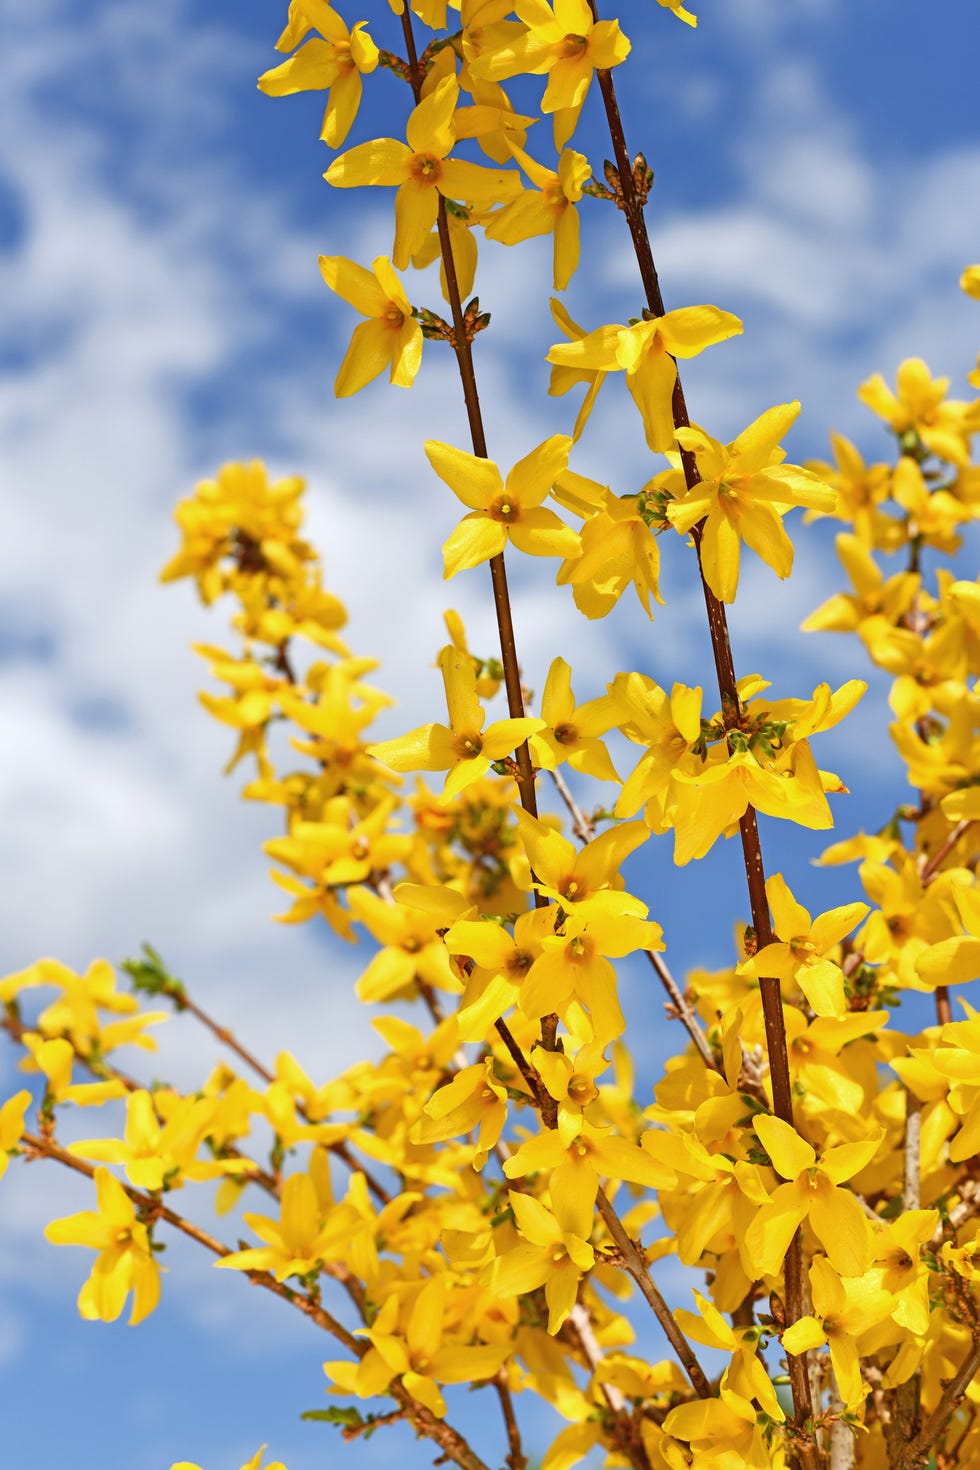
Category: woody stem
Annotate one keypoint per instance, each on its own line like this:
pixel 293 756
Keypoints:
pixel 464 360
pixel 731 713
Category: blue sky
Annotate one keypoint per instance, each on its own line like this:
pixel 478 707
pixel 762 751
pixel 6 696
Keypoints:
pixel 817 172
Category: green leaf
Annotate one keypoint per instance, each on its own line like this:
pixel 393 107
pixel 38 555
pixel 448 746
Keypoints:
pixel 151 976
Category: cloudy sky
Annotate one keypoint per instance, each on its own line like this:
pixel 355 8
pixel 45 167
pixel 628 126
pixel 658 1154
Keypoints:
pixel 817 171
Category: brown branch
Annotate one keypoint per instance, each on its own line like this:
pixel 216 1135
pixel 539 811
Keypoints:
pixel 255 1174
pixel 930 867
pixel 223 1034
pixel 516 1458
pixel 635 1263
pixel 449 1440
pixel 916 1452
pixel 625 1427
pixel 731 713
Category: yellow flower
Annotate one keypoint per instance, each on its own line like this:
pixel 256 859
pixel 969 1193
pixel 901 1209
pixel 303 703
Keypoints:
pixel 553 1253
pixel 742 495
pixel 575 1155
pixel 473 1099
pixel 419 1355
pixel 860 490
pixel 336 63
pixel 723 1433
pixel 503 511
pixel 842 1311
pixel 334 852
pixel 568 44
pixel 162 1157
pixel 411 948
pixel 565 377
pixel 422 171
pixel 549 209
pixel 812 1192
pixel 125 1262
pixel 874 606
pixel 918 410
pixel 391 337
pixel 500 960
pixel 573 964
pixel 463 748
pixel 799 957
pixel 572 732
pixel 668 726
pixel 647 352
pixel 311 1229
pixel 56 1058
pixel 572 876
pixel 617 547
pixel 746 1375
pixel 12 1125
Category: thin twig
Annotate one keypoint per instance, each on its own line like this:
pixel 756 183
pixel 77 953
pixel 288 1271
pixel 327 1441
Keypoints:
pixel 917 1450
pixel 449 1440
pixel 636 1265
pixel 930 867
pixel 516 1458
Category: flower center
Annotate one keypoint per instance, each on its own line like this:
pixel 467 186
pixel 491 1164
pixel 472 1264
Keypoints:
pixel 468 747
pixel 393 317
pixel 425 168
pixel 570 47
pixel 519 964
pixel 504 510
pixel 566 734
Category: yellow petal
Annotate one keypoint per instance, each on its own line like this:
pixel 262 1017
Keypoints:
pixel 477 538
pixel 476 481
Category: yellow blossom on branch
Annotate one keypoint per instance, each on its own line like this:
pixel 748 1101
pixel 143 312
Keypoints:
pixel 311 1229
pixel 799 955
pixel 843 1309
pixel 12 1114
pixel 422 171
pixel 463 748
pixel 919 412
pixel 548 209
pixel 618 547
pixel 125 1262
pixel 565 377
pixel 473 1099
pixel 812 1191
pixel 162 1156
pixel 335 64
pixel 565 42
pixel 554 1252
pixel 418 1354
pixel 572 732
pixel 391 337
pixel 647 352
pixel 742 495
pixel 503 510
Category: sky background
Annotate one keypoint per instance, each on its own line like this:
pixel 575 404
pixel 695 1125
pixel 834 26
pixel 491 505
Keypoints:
pixel 817 173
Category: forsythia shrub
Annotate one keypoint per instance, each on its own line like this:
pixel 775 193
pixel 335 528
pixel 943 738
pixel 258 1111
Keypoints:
pixel 468 1208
